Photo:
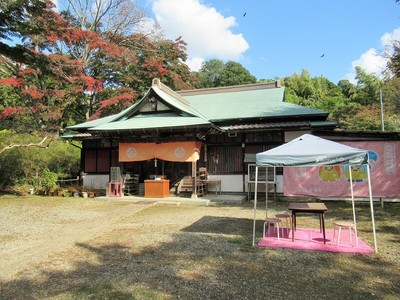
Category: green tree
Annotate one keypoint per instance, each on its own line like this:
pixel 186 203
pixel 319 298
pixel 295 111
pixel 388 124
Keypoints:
pixel 394 60
pixel 214 73
pixel 235 74
pixel 316 92
pixel 348 89
pixel 300 88
pixel 353 107
pixel 24 157
pixel 209 74
pixel 367 89
pixel 357 117
pixel 391 104
pixel 15 23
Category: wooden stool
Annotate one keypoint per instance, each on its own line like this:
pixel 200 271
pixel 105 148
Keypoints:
pixel 342 224
pixel 286 217
pixel 115 189
pixel 272 221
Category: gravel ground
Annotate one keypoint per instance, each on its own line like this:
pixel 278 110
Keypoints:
pixel 31 230
pixel 77 249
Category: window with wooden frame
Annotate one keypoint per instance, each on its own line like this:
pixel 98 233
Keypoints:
pixel 225 159
pixel 97 161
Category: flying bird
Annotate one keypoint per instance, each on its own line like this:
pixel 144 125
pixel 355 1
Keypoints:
pixel 244 14
pixel 322 55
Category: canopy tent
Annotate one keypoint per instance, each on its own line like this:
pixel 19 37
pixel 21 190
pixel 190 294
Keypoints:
pixel 309 150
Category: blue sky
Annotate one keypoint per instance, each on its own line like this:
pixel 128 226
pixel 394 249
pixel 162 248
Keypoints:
pixel 276 38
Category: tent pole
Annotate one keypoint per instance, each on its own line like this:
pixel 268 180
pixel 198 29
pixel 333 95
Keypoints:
pixel 266 192
pixel 372 207
pixel 352 197
pixel 255 208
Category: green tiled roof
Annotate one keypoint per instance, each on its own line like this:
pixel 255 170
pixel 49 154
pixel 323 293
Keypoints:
pixel 152 121
pixel 247 104
pixel 104 120
pixel 131 119
pixel 202 108
pixel 93 123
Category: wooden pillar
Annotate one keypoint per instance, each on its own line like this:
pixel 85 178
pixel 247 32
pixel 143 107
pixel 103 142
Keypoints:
pixel 194 183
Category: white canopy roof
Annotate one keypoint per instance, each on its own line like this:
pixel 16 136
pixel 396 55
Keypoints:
pixel 310 150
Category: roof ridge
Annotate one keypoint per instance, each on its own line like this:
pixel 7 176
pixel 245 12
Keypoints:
pixel 229 89
pixel 156 82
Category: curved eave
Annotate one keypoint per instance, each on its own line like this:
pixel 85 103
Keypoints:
pixel 154 123
pixel 101 121
pixel 288 125
pixel 105 120
pixel 267 126
pixel 278 114
pixel 77 136
pixel 90 124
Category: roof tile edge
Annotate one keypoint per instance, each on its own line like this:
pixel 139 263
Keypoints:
pixel 157 83
pixel 229 89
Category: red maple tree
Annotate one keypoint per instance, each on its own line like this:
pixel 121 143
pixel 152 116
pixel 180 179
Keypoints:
pixel 78 74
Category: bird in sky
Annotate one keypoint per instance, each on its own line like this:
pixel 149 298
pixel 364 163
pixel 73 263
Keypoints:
pixel 244 14
pixel 322 55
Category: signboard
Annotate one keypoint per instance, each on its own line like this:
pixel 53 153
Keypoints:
pixel 334 181
pixel 115 174
pixel 262 174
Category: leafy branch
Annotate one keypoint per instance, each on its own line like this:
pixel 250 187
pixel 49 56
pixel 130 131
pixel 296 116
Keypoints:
pixel 38 145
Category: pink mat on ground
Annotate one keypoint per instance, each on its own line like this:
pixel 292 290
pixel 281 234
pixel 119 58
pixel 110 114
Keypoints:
pixel 312 239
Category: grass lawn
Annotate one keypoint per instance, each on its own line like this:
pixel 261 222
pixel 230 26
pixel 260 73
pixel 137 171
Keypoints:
pixel 187 252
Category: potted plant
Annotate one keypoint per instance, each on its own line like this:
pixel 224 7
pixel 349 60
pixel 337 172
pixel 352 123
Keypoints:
pixel 65 193
pixel 86 192
pixel 74 190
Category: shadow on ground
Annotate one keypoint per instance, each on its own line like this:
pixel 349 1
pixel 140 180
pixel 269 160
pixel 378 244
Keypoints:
pixel 212 258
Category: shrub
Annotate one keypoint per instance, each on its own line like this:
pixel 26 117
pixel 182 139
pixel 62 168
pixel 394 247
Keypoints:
pixel 25 165
pixel 11 171
pixel 48 180
pixel 21 189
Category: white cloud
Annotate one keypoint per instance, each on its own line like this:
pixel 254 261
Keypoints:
pixel 195 63
pixel 388 38
pixel 207 32
pixel 372 61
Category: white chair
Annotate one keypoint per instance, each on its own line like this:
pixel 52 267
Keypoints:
pixel 272 221
pixel 343 224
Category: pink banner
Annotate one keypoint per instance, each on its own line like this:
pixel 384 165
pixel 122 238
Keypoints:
pixel 333 181
pixel 174 151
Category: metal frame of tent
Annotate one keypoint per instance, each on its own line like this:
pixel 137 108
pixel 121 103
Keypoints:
pixel 295 159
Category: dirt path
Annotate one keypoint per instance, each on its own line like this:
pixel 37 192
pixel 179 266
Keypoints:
pixel 85 249
pixel 41 231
